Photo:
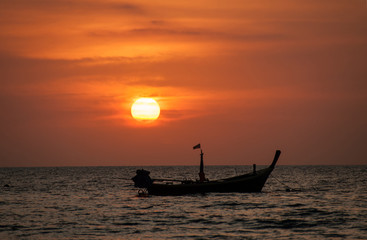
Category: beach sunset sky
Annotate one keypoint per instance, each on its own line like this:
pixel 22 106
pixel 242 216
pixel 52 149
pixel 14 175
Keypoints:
pixel 243 78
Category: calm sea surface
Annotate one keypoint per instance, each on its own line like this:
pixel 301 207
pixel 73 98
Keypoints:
pixel 101 203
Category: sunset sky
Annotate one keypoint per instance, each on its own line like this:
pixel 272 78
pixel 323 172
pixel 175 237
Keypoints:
pixel 243 78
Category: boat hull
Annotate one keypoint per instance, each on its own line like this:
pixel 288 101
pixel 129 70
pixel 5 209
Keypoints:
pixel 253 182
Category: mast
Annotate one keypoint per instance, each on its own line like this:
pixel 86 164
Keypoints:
pixel 201 172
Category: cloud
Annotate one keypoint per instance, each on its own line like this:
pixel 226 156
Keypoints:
pixel 72 7
pixel 23 70
pixel 193 34
pixel 130 7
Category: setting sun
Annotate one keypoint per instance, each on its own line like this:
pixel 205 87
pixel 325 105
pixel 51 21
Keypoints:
pixel 145 109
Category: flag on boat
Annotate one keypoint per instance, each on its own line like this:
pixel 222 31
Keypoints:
pixel 197 146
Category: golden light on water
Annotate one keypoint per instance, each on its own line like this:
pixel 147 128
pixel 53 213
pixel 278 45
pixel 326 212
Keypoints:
pixel 145 109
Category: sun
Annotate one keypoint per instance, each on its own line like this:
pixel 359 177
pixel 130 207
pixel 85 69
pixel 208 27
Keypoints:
pixel 145 109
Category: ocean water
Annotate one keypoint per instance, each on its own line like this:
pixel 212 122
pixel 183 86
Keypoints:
pixel 328 202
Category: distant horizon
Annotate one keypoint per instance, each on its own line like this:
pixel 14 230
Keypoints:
pixel 140 166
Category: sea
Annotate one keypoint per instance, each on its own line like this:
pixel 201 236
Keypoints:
pixel 297 202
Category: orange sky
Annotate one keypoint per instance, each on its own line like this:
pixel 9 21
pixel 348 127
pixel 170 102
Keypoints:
pixel 243 78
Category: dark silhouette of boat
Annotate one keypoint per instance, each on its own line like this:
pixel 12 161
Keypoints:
pixel 250 182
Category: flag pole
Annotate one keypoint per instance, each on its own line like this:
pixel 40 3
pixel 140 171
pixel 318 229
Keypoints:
pixel 201 172
pixel 201 161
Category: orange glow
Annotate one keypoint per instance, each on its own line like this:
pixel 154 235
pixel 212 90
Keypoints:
pixel 145 109
pixel 258 74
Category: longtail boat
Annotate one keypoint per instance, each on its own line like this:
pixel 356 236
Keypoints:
pixel 250 182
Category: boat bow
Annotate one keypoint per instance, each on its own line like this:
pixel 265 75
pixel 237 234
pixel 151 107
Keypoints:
pixel 276 157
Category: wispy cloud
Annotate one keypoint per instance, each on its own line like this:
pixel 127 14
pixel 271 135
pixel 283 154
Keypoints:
pixel 185 33
pixel 70 7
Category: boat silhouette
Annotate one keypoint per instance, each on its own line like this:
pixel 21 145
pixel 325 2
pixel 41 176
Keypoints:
pixel 250 182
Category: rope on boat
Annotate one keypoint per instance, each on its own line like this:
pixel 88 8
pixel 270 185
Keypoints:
pixel 288 188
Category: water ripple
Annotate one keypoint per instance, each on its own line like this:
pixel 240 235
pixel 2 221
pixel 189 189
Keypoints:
pixel 99 203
